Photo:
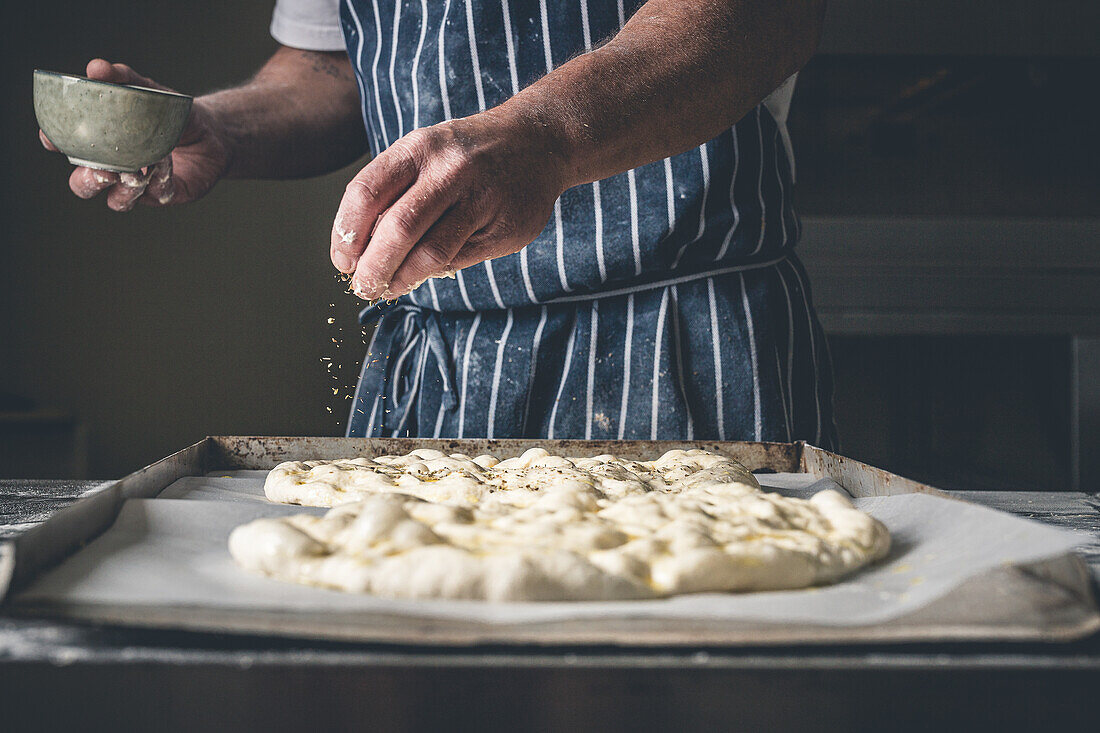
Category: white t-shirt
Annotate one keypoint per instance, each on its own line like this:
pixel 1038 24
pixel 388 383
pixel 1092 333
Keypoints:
pixel 314 25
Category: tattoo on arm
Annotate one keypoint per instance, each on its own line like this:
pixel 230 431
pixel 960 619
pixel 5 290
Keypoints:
pixel 323 63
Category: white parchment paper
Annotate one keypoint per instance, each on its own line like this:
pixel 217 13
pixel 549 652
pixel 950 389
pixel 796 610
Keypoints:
pixel 172 550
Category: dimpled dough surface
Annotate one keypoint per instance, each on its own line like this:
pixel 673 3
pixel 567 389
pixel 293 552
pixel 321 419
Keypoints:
pixel 540 527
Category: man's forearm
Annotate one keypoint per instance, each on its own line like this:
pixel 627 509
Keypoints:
pixel 484 186
pixel 299 116
pixel 676 75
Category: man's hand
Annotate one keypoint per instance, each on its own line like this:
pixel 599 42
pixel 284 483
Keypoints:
pixel 192 169
pixel 443 198
pixel 298 116
pixel 452 195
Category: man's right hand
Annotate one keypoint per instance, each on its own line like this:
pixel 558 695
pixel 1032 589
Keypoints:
pixel 200 158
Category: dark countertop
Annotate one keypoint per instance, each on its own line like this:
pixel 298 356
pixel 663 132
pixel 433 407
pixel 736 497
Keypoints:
pixel 1010 682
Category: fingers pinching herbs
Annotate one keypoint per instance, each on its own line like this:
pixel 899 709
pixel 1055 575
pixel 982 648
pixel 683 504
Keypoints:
pixel 482 180
pixel 434 254
pixel 370 193
pixel 476 249
pixel 397 232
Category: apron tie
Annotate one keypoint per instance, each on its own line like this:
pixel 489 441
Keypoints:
pixel 389 383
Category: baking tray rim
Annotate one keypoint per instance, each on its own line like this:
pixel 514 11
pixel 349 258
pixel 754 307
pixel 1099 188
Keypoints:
pixel 22 558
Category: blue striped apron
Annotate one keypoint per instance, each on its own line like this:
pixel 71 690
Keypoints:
pixel 662 303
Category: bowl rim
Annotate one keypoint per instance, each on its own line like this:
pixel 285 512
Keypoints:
pixel 135 87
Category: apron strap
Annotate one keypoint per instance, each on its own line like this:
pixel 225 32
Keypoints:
pixel 389 386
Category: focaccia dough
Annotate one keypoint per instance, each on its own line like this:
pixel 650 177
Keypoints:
pixel 547 528
pixel 434 476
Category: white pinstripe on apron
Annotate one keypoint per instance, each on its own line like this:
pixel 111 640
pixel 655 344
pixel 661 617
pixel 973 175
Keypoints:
pixel 664 302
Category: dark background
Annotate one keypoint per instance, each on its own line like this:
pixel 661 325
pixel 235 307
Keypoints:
pixel 947 170
pixel 157 327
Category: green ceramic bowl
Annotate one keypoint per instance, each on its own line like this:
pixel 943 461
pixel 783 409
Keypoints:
pixel 114 127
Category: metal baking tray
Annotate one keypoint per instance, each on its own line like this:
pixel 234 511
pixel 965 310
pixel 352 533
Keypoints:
pixel 1047 601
